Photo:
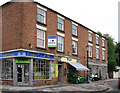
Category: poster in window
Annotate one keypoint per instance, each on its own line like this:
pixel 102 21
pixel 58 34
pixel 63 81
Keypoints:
pixel 52 70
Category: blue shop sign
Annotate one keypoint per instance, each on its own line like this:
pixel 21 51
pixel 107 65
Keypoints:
pixel 26 54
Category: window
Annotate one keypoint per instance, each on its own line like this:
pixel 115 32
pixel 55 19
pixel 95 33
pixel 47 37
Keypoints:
pixel 90 37
pixel 60 44
pixel 90 51
pixel 97 53
pixel 7 69
pixel 74 30
pixel 60 24
pixel 41 16
pixel 74 47
pixel 103 54
pixel 40 38
pixel 103 43
pixel 41 69
pixel 97 40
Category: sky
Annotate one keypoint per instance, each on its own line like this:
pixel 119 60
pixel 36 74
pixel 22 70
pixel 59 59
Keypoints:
pixel 97 15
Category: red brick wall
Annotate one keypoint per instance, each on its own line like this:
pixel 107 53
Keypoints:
pixel 11 26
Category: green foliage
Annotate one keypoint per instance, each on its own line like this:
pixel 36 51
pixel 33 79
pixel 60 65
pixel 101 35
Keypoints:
pixel 99 33
pixel 111 65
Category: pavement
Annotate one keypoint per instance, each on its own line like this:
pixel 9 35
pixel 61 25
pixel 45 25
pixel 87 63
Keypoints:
pixel 96 86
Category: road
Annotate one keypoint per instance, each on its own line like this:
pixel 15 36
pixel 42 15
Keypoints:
pixel 113 86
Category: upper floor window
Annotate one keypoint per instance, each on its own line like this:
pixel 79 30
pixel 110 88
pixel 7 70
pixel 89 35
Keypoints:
pixel 74 47
pixel 97 53
pixel 90 51
pixel 60 44
pixel 103 42
pixel 74 29
pixel 103 54
pixel 90 36
pixel 41 16
pixel 40 38
pixel 97 40
pixel 60 24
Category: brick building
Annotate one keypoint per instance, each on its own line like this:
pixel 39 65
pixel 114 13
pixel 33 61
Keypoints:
pixel 41 46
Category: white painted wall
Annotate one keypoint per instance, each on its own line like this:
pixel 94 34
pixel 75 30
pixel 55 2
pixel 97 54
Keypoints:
pixel 116 74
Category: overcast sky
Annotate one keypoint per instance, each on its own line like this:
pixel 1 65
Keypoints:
pixel 98 15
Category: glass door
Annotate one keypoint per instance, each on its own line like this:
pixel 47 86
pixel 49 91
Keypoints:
pixel 22 74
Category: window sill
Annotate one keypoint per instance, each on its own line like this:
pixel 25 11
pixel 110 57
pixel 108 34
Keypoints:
pixel 61 30
pixel 90 57
pixel 103 46
pixel 74 54
pixel 97 59
pixel 97 44
pixel 60 52
pixel 41 23
pixel 90 41
pixel 41 48
pixel 74 35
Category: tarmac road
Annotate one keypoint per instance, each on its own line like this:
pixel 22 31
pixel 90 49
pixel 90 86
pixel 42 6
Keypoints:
pixel 113 85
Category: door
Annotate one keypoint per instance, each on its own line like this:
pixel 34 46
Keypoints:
pixel 60 73
pixel 23 74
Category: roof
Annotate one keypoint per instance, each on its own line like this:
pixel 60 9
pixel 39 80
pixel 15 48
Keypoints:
pixel 61 15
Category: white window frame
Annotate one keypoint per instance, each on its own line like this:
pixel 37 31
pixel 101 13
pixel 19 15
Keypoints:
pixel 42 14
pixel 97 40
pixel 90 51
pixel 103 42
pixel 97 53
pixel 40 38
pixel 38 64
pixel 74 29
pixel 60 24
pixel 90 36
pixel 103 54
pixel 74 45
pixel 61 49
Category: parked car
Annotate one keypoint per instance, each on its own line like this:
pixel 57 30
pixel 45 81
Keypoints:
pixel 119 82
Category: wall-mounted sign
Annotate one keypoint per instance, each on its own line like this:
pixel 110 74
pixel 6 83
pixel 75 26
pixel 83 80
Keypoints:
pixel 65 59
pixel 52 41
pixel 26 54
pixel 22 60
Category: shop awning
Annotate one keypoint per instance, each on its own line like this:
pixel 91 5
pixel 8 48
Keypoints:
pixel 78 66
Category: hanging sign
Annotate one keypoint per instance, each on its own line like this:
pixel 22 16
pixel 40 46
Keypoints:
pixel 52 41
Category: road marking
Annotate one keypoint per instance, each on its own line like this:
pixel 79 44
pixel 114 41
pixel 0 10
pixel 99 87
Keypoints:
pixel 110 88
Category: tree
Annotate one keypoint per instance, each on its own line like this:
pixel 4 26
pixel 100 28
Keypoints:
pixel 118 52
pixel 99 33
pixel 112 55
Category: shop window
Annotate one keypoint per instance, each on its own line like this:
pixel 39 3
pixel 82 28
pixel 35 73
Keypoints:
pixel 41 69
pixel 41 16
pixel 60 44
pixel 7 69
pixel 74 47
pixel 40 38
pixel 60 24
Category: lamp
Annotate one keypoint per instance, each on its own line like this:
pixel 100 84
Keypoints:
pixel 87 63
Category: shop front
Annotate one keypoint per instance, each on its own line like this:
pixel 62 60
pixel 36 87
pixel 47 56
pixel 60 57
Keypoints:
pixel 25 67
pixel 70 67
pixel 99 68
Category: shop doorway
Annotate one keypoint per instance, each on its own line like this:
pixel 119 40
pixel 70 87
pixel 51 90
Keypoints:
pixel 60 73
pixel 22 74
